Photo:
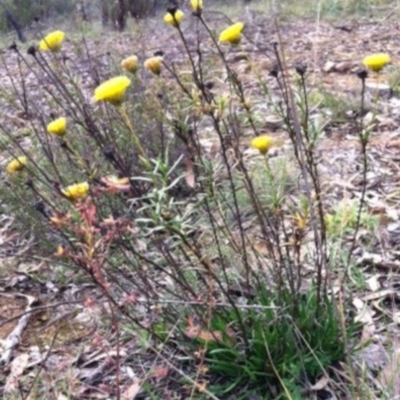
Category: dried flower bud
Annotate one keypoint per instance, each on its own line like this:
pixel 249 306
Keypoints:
pixel 172 10
pixel 362 74
pixel 209 85
pixel 32 51
pixel 274 71
pixel 109 154
pixel 40 207
pixel 301 69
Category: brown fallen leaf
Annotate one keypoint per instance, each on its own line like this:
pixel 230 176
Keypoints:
pixel 202 386
pixel 18 366
pixel 344 67
pixel 378 295
pixel 320 384
pixel 390 375
pixel 159 372
pixel 207 336
pixel 214 150
pixel 367 333
pixel 373 283
pixel 196 332
pixel 364 312
pixel 190 177
pixel 131 392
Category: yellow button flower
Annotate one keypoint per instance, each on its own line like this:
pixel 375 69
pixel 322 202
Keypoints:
pixel 130 64
pixel 154 64
pixel 197 5
pixel 76 191
pixel 52 42
pixel 112 90
pixel 232 34
pixel 57 127
pixel 175 18
pixel 262 143
pixel 17 164
pixel 375 62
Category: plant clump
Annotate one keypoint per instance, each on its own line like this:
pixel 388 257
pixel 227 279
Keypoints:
pixel 196 246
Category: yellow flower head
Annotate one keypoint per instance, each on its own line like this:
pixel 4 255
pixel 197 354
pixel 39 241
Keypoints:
pixel 262 143
pixel 17 164
pixel 130 64
pixel 174 18
pixel 76 191
pixel 112 90
pixel 197 5
pixel 57 127
pixel 154 64
pixel 232 34
pixel 52 42
pixel 375 62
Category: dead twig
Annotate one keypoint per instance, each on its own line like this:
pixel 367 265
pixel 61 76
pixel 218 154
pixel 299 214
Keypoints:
pixel 15 336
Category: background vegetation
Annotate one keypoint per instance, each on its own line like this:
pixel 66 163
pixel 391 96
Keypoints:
pixel 25 12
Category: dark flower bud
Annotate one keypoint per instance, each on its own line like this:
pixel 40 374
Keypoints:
pixel 301 69
pixel 32 51
pixel 172 10
pixel 274 71
pixel 109 154
pixel 362 74
pixel 40 207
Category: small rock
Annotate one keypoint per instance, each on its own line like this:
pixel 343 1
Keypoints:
pixel 329 67
pixel 273 121
pixel 343 67
pixel 238 57
pixel 380 90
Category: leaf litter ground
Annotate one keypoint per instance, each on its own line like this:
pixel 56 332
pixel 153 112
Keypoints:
pixel 67 335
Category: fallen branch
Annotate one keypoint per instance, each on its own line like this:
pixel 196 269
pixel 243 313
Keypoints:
pixel 14 337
